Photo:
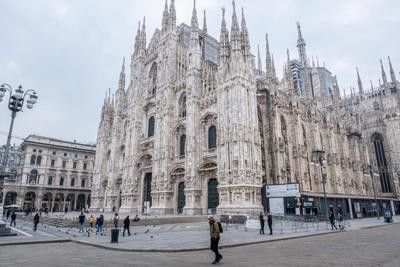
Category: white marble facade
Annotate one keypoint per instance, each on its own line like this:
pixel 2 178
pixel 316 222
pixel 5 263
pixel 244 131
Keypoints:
pixel 199 127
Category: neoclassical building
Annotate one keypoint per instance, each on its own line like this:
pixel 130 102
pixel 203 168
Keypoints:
pixel 200 127
pixel 53 174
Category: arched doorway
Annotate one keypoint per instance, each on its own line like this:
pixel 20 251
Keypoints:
pixel 181 197
pixel 80 203
pixel 58 202
pixel 213 196
pixel 70 205
pixel 46 201
pixel 11 198
pixel 147 191
pixel 29 201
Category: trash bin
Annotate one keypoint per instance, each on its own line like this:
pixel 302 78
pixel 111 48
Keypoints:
pixel 114 235
pixel 388 217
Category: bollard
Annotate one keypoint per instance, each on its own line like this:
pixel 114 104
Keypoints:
pixel 281 227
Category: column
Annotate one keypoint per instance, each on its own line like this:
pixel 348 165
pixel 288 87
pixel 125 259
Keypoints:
pixel 350 208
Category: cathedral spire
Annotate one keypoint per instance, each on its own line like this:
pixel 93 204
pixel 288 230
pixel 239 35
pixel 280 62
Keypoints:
pixel 360 87
pixel 195 23
pixel 383 74
pixel 245 36
pixel 137 40
pixel 172 15
pixel 224 39
pixel 205 22
pixel 268 60
pixel 165 20
pixel 235 31
pixel 273 67
pixel 301 45
pixel 392 74
pixel 259 65
pixel 143 34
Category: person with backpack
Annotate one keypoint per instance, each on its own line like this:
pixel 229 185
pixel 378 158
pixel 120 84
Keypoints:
pixel 215 231
pixel 126 226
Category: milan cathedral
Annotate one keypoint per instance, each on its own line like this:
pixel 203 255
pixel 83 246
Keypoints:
pixel 199 127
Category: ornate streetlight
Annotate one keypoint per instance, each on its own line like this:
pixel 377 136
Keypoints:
pixel 320 157
pixel 16 102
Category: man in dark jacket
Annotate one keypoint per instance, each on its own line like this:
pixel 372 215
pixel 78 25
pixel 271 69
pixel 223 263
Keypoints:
pixel 215 235
pixel 270 223
pixel 35 221
pixel 82 220
pixel 126 226
pixel 99 224
pixel 262 223
pixel 13 218
pixel 8 213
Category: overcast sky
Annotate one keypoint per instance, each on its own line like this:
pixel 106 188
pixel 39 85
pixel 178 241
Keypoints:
pixel 71 51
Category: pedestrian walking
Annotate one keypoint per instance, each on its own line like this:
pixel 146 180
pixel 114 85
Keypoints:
pixel 126 226
pixel 332 220
pixel 215 231
pixel 270 223
pixel 99 224
pixel 262 223
pixel 8 213
pixel 340 219
pixel 116 218
pixel 91 220
pixel 35 221
pixel 13 218
pixel 82 220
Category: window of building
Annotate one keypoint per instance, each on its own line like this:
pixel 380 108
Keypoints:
pixel 212 137
pixel 65 154
pixel 33 177
pixel 182 105
pixel 53 162
pixel 383 170
pixel 75 164
pixel 61 180
pixel 153 79
pixel 54 152
pixel 73 182
pixel 39 160
pixel 182 145
pixel 40 151
pixel 34 150
pixel 150 130
pixel 33 159
pixel 64 163
pixel 83 181
pixel 85 166
pixel 76 155
pixel 86 156
pixel 50 180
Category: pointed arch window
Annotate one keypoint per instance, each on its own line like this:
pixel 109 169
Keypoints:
pixel 62 181
pixel 182 105
pixel 212 137
pixel 153 79
pixel 151 125
pixel 383 170
pixel 50 180
pixel 182 145
pixel 73 182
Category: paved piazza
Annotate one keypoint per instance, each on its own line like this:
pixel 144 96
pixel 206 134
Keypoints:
pixel 378 246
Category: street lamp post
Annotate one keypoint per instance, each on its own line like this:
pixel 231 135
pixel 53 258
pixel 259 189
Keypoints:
pixel 320 156
pixel 373 188
pixel 16 102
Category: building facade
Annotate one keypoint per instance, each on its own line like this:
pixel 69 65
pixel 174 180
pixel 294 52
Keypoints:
pixel 53 174
pixel 197 127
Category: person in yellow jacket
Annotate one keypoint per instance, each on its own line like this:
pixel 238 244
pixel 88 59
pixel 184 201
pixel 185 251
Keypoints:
pixel 91 220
